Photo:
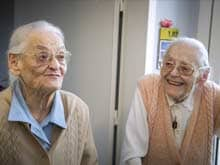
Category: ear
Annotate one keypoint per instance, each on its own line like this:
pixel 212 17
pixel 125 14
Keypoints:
pixel 202 78
pixel 13 64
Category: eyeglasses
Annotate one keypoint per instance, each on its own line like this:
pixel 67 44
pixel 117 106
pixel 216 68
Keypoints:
pixel 183 69
pixel 44 57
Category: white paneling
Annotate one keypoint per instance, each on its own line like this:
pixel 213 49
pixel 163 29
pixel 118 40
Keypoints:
pixel 208 33
pixel 151 48
pixel 214 43
pixel 204 21
pixel 133 60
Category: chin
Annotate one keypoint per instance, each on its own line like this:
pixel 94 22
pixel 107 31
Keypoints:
pixel 178 98
pixel 53 84
pixel 173 93
pixel 52 88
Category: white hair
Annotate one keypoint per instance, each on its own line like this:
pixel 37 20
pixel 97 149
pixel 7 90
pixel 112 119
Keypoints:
pixel 18 39
pixel 199 46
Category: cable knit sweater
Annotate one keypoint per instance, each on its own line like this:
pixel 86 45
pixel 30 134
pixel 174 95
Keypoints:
pixel 204 122
pixel 71 146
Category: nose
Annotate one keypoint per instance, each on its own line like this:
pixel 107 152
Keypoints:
pixel 53 63
pixel 175 71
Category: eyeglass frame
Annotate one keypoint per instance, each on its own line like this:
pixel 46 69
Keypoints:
pixel 181 72
pixel 38 55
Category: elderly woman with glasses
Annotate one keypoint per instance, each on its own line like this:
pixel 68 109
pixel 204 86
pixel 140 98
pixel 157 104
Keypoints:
pixel 174 115
pixel 39 122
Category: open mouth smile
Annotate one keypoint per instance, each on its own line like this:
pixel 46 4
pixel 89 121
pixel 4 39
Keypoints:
pixel 175 83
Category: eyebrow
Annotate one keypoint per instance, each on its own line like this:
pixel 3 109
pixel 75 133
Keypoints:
pixel 181 62
pixel 41 47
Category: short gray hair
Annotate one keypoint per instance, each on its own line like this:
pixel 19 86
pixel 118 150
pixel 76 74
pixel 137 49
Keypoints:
pixel 17 42
pixel 194 43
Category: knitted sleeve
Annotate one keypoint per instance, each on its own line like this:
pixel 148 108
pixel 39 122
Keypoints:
pixel 149 86
pixel 216 110
pixel 80 131
pixel 89 156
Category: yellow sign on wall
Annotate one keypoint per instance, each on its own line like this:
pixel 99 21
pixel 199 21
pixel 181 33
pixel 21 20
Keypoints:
pixel 168 33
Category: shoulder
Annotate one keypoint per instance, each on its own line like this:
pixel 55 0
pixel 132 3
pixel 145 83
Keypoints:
pixel 6 96
pixel 212 92
pixel 72 98
pixel 148 81
pixel 5 101
pixel 73 103
pixel 149 78
pixel 212 86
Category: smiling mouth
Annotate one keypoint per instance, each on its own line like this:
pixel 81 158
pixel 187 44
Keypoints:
pixel 53 75
pixel 175 83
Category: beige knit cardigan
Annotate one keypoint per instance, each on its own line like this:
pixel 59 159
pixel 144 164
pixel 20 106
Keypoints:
pixel 71 146
pixel 196 146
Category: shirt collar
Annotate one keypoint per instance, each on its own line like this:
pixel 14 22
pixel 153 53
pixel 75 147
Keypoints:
pixel 187 103
pixel 19 110
pixel 57 114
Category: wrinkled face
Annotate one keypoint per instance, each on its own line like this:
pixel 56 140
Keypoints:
pixel 180 71
pixel 43 64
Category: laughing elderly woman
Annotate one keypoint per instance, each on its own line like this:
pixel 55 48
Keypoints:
pixel 39 123
pixel 174 115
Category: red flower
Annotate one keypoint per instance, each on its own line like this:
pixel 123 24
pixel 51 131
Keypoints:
pixel 166 23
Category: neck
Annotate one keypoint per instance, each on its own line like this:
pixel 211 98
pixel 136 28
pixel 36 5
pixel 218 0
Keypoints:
pixel 189 95
pixel 38 101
